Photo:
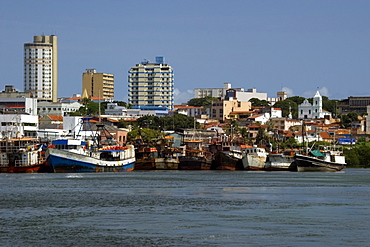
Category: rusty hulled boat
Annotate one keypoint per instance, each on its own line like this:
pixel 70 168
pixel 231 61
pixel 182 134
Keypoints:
pixel 22 155
pixel 194 156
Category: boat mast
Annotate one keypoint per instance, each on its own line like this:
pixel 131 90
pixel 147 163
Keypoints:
pixel 99 108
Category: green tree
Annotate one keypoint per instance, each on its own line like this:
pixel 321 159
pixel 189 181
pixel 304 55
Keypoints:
pixel 352 158
pixel 297 99
pixel 206 101
pixel 89 108
pixel 346 120
pixel 177 121
pixel 258 102
pixel 358 156
pixel 287 105
pixel 145 134
pixel 261 137
pixel 288 144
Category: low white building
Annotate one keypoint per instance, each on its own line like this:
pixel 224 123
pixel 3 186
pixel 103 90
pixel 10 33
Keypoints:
pixel 260 118
pixel 276 113
pixel 20 104
pixel 244 96
pixel 308 136
pixel 113 109
pixel 284 123
pixel 18 125
pixel 49 108
pixel 190 111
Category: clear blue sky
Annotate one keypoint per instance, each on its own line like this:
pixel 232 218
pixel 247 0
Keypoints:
pixel 268 45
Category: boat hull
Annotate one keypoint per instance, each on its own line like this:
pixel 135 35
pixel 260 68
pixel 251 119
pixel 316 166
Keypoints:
pixel 63 161
pixel 145 164
pixel 28 161
pixel 194 163
pixel 312 164
pixel 224 161
pixel 167 163
pixel 280 162
pixel 254 162
pixel 21 169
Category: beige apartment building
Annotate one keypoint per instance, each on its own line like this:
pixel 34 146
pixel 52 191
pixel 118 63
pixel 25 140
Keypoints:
pixel 221 110
pixel 41 68
pixel 99 85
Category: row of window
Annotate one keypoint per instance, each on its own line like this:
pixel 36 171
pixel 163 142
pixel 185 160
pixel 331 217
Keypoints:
pixel 158 84
pixel 30 61
pixel 17 124
pixel 54 109
pixel 33 44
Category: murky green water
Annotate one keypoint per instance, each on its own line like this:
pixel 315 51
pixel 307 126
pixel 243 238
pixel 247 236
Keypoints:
pixel 186 208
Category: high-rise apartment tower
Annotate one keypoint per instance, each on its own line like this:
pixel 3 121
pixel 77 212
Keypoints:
pixel 98 84
pixel 151 84
pixel 41 68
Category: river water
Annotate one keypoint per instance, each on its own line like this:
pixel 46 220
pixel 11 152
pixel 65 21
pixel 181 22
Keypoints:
pixel 186 208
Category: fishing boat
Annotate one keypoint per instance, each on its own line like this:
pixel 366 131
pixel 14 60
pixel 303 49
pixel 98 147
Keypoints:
pixel 284 161
pixel 99 153
pixel 228 160
pixel 254 158
pixel 167 155
pixel 227 154
pixel 22 155
pixel 145 157
pixel 324 159
pixel 194 157
pixel 167 163
pixel 71 155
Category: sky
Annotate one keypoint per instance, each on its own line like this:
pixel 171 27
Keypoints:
pixel 287 45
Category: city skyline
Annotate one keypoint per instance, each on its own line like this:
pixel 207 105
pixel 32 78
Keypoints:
pixel 295 46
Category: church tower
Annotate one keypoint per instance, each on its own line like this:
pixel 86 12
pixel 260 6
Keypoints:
pixel 317 106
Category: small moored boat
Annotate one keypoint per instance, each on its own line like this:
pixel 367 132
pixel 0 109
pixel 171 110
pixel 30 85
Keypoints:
pixel 254 158
pixel 325 159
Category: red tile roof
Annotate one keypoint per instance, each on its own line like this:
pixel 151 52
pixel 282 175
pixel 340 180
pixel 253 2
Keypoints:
pixel 255 116
pixel 240 112
pixel 113 120
pixel 187 107
pixel 257 126
pixel 325 135
pixel 56 117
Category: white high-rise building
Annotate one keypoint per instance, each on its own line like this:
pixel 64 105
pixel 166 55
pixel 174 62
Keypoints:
pixel 150 85
pixel 41 68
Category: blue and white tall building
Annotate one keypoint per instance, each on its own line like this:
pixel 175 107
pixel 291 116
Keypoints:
pixel 151 85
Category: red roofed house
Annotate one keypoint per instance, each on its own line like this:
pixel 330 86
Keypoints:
pixel 262 119
pixel 240 115
pixel 51 119
pixel 190 111
pixel 284 123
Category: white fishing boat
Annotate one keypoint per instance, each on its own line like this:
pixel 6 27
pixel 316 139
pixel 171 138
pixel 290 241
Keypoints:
pixel 254 158
pixel 281 161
